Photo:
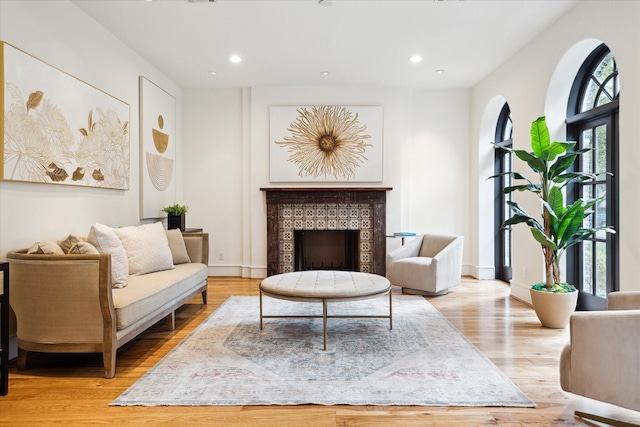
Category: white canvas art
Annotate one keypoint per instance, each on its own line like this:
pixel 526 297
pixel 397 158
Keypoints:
pixel 157 149
pixel 58 129
pixel 329 143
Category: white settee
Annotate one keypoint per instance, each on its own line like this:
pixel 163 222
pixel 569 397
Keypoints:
pixel 79 300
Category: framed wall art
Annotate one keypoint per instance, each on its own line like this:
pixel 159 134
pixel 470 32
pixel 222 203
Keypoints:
pixel 157 149
pixel 327 143
pixel 58 129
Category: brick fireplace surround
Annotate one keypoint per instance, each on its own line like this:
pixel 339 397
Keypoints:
pixel 290 209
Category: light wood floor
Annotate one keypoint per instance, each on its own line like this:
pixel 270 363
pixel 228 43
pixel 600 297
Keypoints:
pixel 70 389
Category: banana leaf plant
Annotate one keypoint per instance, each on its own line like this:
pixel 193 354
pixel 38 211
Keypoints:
pixel 559 226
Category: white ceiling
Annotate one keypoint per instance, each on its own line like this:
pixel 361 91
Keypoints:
pixel 360 42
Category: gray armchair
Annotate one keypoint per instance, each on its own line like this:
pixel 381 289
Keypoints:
pixel 602 360
pixel 429 264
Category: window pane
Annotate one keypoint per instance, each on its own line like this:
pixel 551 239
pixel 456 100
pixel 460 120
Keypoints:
pixel 507 244
pixel 507 133
pixel 601 269
pixel 586 157
pixel 587 267
pixel 587 193
pixel 604 68
pixel 603 98
pixel 589 96
pixel 601 149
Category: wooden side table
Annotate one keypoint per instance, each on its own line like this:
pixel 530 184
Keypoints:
pixel 4 330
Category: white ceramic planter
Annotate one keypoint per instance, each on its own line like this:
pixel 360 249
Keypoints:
pixel 554 309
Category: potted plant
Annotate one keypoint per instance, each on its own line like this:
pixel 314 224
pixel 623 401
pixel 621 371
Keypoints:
pixel 559 226
pixel 176 216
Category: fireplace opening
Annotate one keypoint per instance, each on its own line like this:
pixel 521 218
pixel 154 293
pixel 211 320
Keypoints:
pixel 326 250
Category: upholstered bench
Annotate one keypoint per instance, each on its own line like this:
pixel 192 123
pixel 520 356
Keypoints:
pixel 325 287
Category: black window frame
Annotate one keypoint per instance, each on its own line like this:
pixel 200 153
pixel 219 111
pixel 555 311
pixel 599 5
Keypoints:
pixel 577 122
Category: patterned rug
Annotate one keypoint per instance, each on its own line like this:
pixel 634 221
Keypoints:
pixel 228 360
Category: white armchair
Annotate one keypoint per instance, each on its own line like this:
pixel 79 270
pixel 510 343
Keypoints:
pixel 429 264
pixel 602 360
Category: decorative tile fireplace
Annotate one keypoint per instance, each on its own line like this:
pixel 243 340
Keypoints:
pixel 291 211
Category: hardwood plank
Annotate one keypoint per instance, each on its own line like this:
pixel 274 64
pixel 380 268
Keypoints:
pixel 70 388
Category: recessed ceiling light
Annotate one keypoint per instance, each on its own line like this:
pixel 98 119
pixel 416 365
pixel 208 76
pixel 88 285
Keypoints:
pixel 415 58
pixel 213 73
pixel 235 59
pixel 324 73
pixel 439 72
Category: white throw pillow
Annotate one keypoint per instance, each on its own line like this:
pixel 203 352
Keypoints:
pixel 106 241
pixel 146 247
pixel 177 246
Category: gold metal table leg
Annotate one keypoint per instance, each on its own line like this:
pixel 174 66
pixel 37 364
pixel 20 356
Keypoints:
pixel 324 323
pixel 260 309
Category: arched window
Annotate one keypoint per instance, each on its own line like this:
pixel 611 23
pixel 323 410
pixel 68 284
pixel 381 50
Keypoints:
pixel 503 159
pixel 592 121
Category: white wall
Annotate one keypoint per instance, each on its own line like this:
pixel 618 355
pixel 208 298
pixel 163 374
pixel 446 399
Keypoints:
pixel 524 81
pixel 213 173
pixel 425 162
pixel 61 35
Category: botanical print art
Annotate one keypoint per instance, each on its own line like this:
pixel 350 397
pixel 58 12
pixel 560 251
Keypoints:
pixel 326 143
pixel 58 129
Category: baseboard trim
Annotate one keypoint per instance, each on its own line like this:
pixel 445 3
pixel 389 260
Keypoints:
pixel 237 271
pixel 479 272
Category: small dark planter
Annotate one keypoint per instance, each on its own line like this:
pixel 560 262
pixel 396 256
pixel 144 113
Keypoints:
pixel 176 221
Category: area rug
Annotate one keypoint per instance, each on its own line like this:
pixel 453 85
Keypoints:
pixel 227 360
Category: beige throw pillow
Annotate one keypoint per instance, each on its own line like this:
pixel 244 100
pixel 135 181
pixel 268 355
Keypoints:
pixel 146 247
pixel 177 247
pixel 66 243
pixel 106 242
pixel 84 248
pixel 47 248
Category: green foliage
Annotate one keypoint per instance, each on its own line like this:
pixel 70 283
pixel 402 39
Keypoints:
pixel 562 288
pixel 559 226
pixel 176 209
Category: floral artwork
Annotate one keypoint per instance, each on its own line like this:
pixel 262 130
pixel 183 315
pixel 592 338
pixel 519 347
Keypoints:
pixel 58 129
pixel 326 143
pixel 157 149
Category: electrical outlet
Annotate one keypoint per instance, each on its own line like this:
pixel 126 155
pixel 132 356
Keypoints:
pixel 221 256
pixel 524 271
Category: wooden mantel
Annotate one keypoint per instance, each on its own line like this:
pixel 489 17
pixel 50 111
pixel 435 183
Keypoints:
pixel 373 196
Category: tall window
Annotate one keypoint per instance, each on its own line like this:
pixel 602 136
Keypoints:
pixel 592 121
pixel 503 138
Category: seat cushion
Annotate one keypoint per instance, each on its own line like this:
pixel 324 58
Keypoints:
pixel 148 293
pixel 325 284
